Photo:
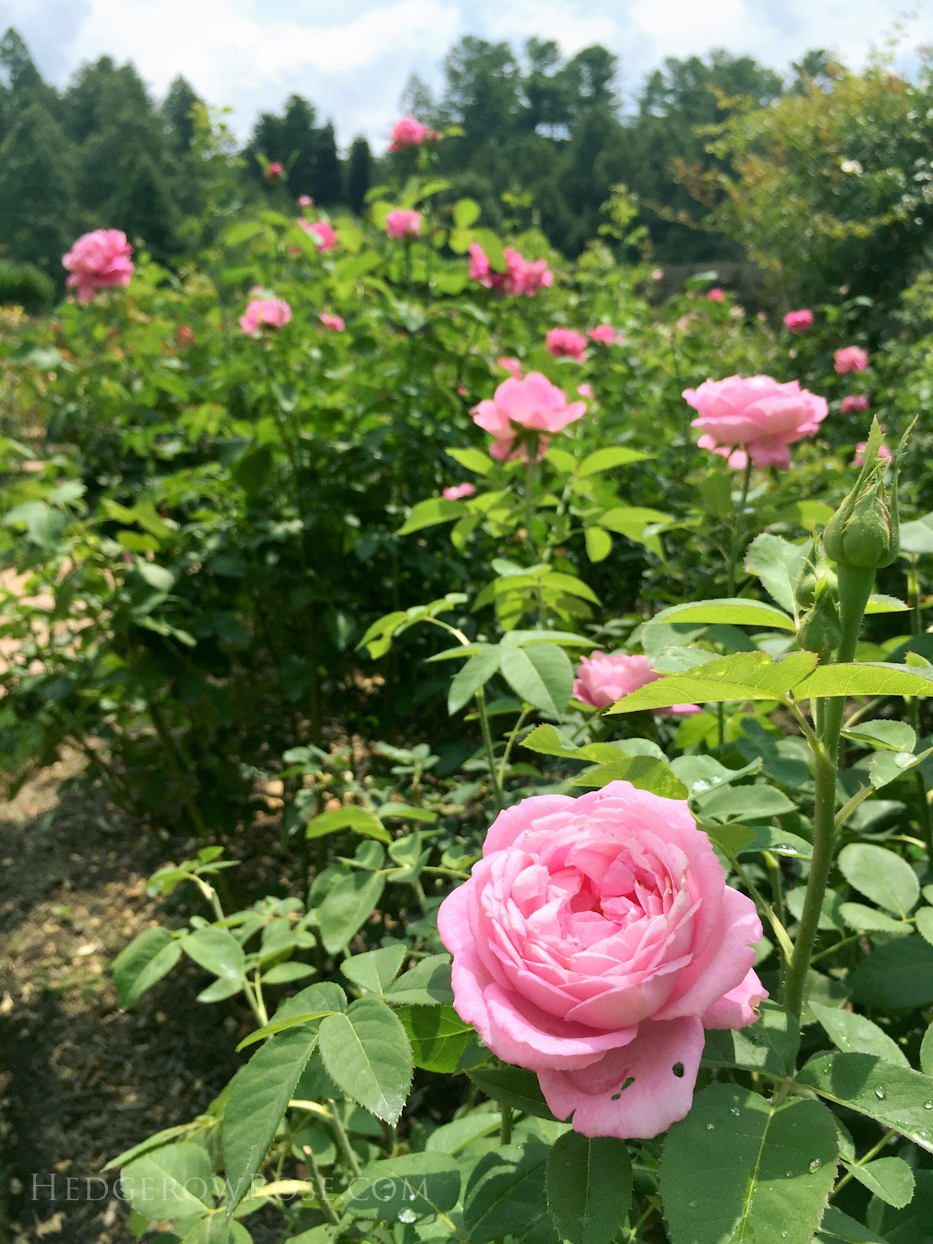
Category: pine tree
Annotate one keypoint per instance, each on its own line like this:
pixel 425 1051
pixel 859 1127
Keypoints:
pixel 359 174
pixel 37 199
pixel 328 172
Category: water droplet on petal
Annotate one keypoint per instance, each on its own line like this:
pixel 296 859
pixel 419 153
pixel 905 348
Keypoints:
pixel 407 1215
pixel 879 1092
pixel 816 1164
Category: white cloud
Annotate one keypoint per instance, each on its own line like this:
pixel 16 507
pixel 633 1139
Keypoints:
pixel 683 27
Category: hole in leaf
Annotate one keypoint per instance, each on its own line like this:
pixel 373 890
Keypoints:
pixel 678 1070
pixel 616 1096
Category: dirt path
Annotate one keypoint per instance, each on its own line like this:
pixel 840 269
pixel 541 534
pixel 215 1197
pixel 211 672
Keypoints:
pixel 79 1080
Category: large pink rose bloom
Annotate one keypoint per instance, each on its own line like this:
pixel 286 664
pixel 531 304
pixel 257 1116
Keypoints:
pixel 794 321
pixel 593 943
pixel 97 260
pixel 403 223
pixel 606 677
pixel 531 404
pixel 850 358
pixel 408 132
pixel 564 342
pixel 322 233
pixel 754 417
pixel 265 313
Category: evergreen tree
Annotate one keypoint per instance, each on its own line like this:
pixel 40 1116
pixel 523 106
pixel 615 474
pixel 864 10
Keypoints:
pixel 359 174
pixel 328 172
pixel 176 112
pixel 37 201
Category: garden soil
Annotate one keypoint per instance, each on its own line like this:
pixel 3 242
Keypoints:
pixel 81 1081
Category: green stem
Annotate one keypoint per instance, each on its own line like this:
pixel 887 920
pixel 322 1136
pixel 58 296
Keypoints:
pixel 505 1124
pixel 509 742
pixel 738 524
pixel 855 586
pixel 343 1140
pixel 490 751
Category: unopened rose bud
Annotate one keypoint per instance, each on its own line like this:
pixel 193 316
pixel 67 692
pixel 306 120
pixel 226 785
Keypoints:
pixel 273 173
pixel 820 630
pixel 863 534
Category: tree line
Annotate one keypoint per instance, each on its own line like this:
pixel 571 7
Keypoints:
pixel 541 140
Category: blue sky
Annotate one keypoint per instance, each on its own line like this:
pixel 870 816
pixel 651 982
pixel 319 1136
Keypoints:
pixel 352 58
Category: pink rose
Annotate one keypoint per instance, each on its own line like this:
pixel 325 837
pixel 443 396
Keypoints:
pixel 657 274
pixel 606 677
pixel 519 407
pixel 273 172
pixel 715 295
pixel 305 200
pixel 605 334
pixel 593 943
pixel 585 390
pixel 510 365
pixel 323 234
pixel 520 276
pixel 796 320
pixel 408 133
pixel 462 390
pixel 755 412
pixel 456 492
pixel 402 223
pixel 265 313
pixel 850 358
pixel 186 335
pixel 97 260
pixel 883 453
pixel 854 402
pixel 333 322
pixel 565 343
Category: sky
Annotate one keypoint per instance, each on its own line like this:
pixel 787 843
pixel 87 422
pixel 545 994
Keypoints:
pixel 353 58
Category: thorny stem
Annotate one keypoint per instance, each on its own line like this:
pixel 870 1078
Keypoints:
pixel 343 1139
pixel 490 751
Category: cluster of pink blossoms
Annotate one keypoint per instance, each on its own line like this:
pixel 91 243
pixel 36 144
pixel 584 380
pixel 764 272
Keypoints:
pixel 333 322
pixel 521 276
pixel 568 343
pixel 850 358
pixel 409 132
pixel 457 492
pixel 854 402
pixel 526 409
pixel 606 677
pixel 98 260
pixel 754 418
pixel 794 321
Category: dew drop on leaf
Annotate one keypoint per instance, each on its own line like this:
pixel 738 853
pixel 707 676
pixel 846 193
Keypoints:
pixel 733 1110
pixel 879 1092
pixel 816 1164
pixel 710 1126
pixel 928 1105
pixel 407 1215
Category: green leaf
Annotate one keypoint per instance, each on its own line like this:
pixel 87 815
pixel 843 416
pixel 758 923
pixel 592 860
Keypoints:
pixel 285 973
pixel 644 773
pixel 438 1036
pixel 431 512
pixel 777 563
pixel 541 674
pixel 347 906
pixel 897 736
pixel 895 1096
pixel 470 677
pixel 598 544
pixel 896 976
pixel 515 1087
pixel 917 537
pixel 854 1034
pixel 737 1169
pixel 420 1183
pixel 175 1181
pixel 466 213
pixel 867 679
pixel 926 1052
pixel 878 603
pixel 589 1187
pixel 770 1044
pixel 156 1141
pixel 605 459
pixel 427 984
pixel 890 1179
pixel 505 1194
pixel 357 819
pixel 839 1226
pixel 375 970
pixel 453 1137
pixel 367 1053
pixel 734 612
pixel 147 958
pixel 473 459
pixel 924 920
pixel 217 950
pixel 742 676
pixel 870 920
pixel 242 232
pixel 743 803
pixel 258 1100
pixel 880 875
pixel 223 987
